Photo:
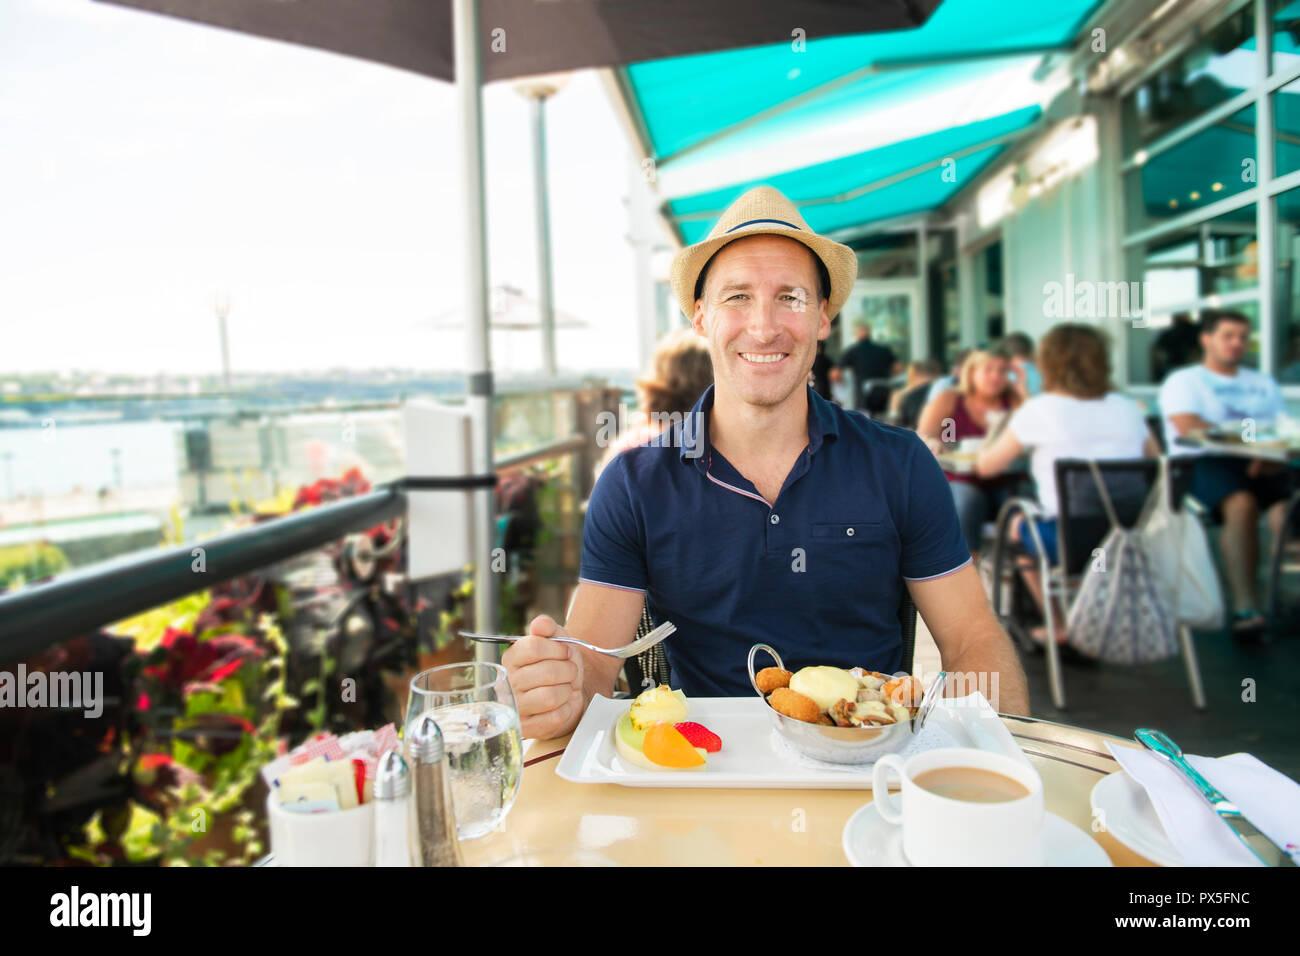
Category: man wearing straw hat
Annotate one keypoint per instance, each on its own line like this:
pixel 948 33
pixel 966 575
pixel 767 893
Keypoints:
pixel 769 515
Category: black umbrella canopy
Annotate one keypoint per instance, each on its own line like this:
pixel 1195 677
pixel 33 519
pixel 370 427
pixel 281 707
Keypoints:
pixel 526 37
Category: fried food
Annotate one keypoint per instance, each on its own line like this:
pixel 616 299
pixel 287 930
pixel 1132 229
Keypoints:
pixel 823 719
pixel 796 705
pixel 872 713
pixel 770 678
pixel 904 691
pixel 842 712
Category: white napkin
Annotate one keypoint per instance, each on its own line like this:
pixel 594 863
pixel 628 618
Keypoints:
pixel 1269 799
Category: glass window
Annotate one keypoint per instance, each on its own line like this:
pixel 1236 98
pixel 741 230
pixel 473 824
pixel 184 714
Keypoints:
pixel 1220 65
pixel 1286 324
pixel 1285 17
pixel 1286 128
pixel 1186 271
pixel 1217 162
pixel 886 256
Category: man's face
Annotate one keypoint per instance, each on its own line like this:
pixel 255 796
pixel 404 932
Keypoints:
pixel 763 317
pixel 1226 345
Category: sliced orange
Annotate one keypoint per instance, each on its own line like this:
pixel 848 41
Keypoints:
pixel 667 746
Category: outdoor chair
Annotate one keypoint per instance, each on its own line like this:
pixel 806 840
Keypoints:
pixel 1284 558
pixel 1082 525
pixel 653 664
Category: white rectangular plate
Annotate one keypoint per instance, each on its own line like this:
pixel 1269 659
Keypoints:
pixel 753 758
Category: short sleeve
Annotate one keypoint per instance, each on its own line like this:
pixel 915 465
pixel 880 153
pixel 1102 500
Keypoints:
pixel 1027 423
pixel 1178 396
pixel 1278 403
pixel 932 542
pixel 613 536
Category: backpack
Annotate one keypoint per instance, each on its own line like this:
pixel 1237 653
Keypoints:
pixel 1122 613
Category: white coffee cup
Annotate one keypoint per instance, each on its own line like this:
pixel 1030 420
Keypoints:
pixel 337 838
pixel 941 831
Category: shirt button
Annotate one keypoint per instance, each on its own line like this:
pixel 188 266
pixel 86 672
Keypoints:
pixel 849 532
pixel 776 519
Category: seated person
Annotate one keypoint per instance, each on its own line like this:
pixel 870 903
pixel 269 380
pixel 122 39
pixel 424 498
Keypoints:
pixel 945 382
pixel 906 404
pixel 1077 415
pixel 977 406
pixel 680 374
pixel 1220 391
pixel 769 515
pixel 1018 349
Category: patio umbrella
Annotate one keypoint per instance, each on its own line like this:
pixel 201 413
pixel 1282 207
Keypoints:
pixel 541 36
pixel 473 42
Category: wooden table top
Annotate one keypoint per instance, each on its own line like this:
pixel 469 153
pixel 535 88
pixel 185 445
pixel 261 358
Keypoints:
pixel 558 823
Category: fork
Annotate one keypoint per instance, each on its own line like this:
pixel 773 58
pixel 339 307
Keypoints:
pixel 639 646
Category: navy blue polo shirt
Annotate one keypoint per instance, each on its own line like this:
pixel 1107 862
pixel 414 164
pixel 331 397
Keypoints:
pixel 818 575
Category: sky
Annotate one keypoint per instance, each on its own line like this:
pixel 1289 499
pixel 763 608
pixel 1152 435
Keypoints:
pixel 146 163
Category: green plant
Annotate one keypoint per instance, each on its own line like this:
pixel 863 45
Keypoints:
pixel 20 563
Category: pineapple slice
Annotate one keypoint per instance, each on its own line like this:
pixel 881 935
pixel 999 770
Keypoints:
pixel 658 704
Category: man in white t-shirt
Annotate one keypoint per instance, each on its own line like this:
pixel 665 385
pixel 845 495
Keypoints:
pixel 1220 392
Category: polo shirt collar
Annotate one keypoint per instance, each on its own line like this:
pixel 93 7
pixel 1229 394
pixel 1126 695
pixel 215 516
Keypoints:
pixel 822 425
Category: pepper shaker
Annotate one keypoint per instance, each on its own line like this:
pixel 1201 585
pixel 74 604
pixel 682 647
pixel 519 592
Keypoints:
pixel 435 815
pixel 393 811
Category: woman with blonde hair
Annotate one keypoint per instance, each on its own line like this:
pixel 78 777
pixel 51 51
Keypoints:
pixel 681 371
pixel 976 408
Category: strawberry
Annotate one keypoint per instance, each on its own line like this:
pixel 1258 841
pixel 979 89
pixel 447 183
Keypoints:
pixel 699 736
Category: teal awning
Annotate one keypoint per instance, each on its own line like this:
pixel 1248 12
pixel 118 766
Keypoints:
pixel 855 129
pixel 859 189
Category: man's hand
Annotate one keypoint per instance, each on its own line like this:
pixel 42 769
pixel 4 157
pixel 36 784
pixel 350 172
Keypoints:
pixel 547 680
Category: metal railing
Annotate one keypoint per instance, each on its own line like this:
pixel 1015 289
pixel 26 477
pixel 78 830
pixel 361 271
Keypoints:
pixel 37 616
pixel 41 615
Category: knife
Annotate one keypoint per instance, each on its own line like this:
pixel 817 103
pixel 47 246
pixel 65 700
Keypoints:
pixel 1268 852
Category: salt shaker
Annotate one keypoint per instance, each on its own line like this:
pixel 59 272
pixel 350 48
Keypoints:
pixel 435 816
pixel 393 811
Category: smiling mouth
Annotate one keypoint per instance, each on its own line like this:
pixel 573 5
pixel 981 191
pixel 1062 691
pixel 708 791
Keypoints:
pixel 764 358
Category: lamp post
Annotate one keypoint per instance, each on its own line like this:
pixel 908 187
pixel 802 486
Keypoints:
pixel 537 89
pixel 221 305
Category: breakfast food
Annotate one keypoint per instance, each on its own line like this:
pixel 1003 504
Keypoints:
pixel 770 678
pixel 825 685
pixel 654 735
pixel 794 704
pixel 846 698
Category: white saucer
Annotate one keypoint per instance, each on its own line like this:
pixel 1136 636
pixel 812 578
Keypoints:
pixel 1121 805
pixel 869 840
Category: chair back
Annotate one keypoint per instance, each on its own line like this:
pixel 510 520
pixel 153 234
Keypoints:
pixel 1082 523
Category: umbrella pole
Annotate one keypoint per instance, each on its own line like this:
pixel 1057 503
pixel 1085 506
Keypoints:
pixel 469 88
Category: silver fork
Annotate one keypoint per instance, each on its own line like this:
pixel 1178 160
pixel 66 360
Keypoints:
pixel 639 646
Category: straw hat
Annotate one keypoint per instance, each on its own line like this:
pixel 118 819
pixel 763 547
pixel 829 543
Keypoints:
pixel 764 211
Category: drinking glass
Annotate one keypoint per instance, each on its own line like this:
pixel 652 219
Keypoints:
pixel 475 710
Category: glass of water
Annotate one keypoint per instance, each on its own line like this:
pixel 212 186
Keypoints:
pixel 475 710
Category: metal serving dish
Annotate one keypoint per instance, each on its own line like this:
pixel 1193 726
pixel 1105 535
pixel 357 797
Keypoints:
pixel 846 745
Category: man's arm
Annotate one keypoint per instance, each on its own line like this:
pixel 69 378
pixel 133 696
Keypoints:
pixel 969 638
pixel 553 683
pixel 1186 422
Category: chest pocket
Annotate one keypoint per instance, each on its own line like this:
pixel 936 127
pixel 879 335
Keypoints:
pixel 852 561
